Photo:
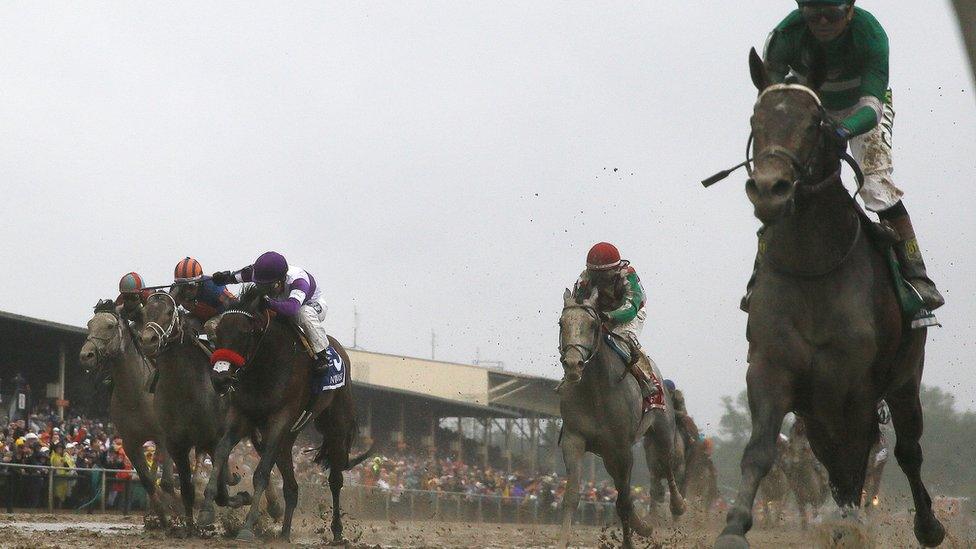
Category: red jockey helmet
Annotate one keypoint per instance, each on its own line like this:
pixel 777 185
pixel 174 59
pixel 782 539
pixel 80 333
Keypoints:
pixel 603 256
pixel 187 270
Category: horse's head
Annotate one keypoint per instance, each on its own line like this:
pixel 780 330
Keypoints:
pixel 105 338
pixel 579 332
pixel 162 323
pixel 789 139
pixel 240 330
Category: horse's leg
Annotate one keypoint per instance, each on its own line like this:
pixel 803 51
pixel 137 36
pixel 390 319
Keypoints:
pixel 335 486
pixel 277 427
pixel 237 428
pixel 619 463
pixel 906 415
pixel 181 458
pixel 290 488
pixel 769 401
pixel 573 447
pixel 663 459
pixel 165 470
pixel 133 449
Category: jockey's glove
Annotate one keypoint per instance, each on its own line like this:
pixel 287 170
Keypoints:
pixel 222 278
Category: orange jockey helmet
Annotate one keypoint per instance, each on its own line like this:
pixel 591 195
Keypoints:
pixel 603 256
pixel 188 270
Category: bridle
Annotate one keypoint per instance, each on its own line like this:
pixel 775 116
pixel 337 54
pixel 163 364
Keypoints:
pixel 175 323
pixel 100 355
pixel 253 349
pixel 586 352
pixel 803 169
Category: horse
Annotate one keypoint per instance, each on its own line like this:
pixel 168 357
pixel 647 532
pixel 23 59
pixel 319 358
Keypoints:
pixel 601 407
pixel 185 400
pixel 111 343
pixel 701 477
pixel 807 478
pixel 274 385
pixel 827 338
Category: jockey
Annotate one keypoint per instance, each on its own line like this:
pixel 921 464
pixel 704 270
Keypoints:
pixel 858 100
pixel 202 297
pixel 684 421
pixel 620 300
pixel 132 296
pixel 292 292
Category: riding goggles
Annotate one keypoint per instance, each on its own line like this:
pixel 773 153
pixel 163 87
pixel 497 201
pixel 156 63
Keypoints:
pixel 831 14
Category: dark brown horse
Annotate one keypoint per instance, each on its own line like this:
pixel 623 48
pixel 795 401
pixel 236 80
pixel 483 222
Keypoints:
pixel 827 339
pixel 273 388
pixel 188 408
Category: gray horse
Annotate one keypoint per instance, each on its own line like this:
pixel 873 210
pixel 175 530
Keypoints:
pixel 827 338
pixel 111 344
pixel 185 400
pixel 601 407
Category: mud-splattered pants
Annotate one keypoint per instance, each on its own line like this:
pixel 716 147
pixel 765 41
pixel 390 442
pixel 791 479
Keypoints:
pixel 872 150
pixel 311 317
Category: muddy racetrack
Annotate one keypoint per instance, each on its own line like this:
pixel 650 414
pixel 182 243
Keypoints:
pixel 100 531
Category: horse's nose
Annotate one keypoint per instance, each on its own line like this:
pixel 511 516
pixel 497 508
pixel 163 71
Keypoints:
pixel 770 193
pixel 86 356
pixel 574 371
pixel 148 340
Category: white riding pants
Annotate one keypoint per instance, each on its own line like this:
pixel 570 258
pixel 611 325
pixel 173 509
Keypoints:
pixel 872 150
pixel 632 330
pixel 311 317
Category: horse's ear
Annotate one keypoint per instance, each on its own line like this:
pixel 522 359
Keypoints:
pixel 567 296
pixel 757 69
pixel 591 301
pixel 818 69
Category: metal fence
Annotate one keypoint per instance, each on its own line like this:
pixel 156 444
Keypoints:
pixel 78 489
pixel 409 505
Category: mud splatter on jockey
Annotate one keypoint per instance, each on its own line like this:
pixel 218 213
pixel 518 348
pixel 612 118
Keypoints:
pixel 291 292
pixel 620 298
pixel 858 100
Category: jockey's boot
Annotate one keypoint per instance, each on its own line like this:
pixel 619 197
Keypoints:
pixel 744 304
pixel 642 371
pixel 321 363
pixel 913 266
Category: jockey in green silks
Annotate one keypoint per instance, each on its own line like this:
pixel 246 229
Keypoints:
pixel 858 100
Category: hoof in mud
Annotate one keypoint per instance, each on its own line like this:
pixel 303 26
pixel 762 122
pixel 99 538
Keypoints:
pixel 729 541
pixel 239 500
pixel 931 534
pixel 205 518
pixel 153 522
pixel 245 535
pixel 206 532
pixel 843 534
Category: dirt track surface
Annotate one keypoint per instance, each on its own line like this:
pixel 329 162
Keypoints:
pixel 49 531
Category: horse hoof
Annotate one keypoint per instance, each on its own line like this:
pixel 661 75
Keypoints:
pixel 729 541
pixel 285 536
pixel 245 535
pixel 205 518
pixel 678 509
pixel 929 534
pixel 239 500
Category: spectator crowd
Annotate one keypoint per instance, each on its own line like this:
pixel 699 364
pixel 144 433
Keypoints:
pixel 76 448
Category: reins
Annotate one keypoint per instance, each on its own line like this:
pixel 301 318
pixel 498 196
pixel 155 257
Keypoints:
pixel 587 353
pixel 164 335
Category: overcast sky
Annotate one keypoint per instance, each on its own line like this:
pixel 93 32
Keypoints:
pixel 442 166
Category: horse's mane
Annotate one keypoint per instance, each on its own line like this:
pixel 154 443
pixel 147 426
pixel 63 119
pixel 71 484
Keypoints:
pixel 105 306
pixel 248 300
